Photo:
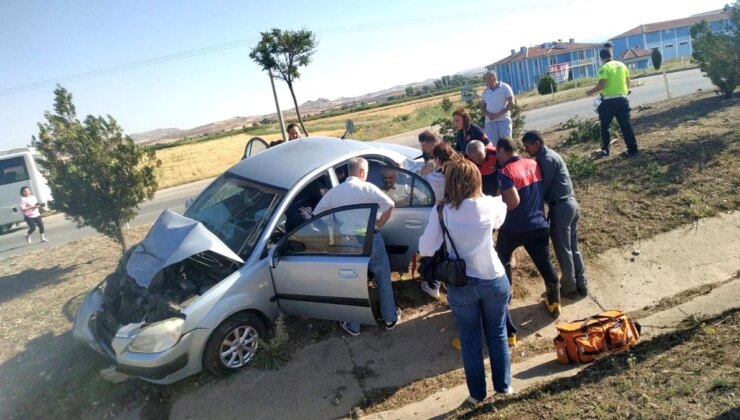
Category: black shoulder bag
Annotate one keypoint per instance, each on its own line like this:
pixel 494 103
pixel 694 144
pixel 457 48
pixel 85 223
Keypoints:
pixel 450 271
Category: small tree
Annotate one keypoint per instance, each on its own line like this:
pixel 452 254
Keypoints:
pixel 446 105
pixel 283 52
pixel 97 174
pixel 718 53
pixel 546 85
pixel 409 91
pixel 657 58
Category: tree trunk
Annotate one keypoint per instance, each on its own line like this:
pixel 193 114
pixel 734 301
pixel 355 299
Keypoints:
pixel 120 238
pixel 297 111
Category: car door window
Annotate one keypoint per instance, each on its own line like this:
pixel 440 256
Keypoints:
pixel 404 188
pixel 342 231
pixel 254 145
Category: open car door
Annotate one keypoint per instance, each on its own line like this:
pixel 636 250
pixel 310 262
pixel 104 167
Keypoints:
pixel 254 146
pixel 320 269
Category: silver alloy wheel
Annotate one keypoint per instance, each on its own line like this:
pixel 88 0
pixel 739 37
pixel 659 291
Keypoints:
pixel 239 346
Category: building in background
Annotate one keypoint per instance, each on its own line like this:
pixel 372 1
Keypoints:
pixel 671 37
pixel 562 60
pixel 635 58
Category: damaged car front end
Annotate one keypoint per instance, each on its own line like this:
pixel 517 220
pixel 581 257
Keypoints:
pixel 137 316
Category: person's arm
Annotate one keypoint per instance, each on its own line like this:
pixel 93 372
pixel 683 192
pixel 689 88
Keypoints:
pixel 548 169
pixel 628 81
pixel 483 105
pixel 598 88
pixel 498 212
pixel 384 218
pixel 511 198
pixel 431 239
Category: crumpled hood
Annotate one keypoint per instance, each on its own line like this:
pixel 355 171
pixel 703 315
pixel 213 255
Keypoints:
pixel 172 239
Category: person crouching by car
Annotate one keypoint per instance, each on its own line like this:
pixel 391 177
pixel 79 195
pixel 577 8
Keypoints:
pixel 356 190
pixel 470 216
pixel 30 206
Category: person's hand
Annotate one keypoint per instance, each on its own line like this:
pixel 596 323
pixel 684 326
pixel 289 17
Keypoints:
pixel 305 212
pixel 427 168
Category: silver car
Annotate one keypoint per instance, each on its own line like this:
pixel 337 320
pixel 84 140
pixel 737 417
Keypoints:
pixel 202 288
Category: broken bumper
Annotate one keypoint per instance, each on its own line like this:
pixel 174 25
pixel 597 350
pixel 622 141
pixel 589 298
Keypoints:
pixel 172 365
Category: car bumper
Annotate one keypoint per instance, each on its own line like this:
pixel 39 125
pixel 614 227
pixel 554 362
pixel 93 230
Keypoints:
pixel 172 365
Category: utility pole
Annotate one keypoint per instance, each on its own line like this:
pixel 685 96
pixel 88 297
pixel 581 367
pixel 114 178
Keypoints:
pixel 277 106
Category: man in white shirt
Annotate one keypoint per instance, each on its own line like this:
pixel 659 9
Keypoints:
pixel 356 190
pixel 498 99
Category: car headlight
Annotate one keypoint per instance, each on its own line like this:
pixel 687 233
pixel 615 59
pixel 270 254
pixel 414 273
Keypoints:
pixel 158 337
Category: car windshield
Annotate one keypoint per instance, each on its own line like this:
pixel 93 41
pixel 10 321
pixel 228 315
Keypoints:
pixel 236 210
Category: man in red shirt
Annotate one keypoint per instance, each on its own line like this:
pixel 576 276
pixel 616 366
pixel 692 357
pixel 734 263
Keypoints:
pixel 484 157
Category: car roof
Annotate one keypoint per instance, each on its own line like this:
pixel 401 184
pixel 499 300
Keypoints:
pixel 285 164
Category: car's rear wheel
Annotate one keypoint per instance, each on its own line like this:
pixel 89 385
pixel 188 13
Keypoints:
pixel 5 228
pixel 233 344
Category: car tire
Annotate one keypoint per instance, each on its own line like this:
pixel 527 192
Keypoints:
pixel 5 228
pixel 233 344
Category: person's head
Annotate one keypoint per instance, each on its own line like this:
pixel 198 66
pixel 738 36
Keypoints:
pixel 491 77
pixel 358 168
pixel 294 132
pixel 25 191
pixel 389 178
pixel 462 180
pixel 461 119
pixel 533 142
pixel 443 153
pixel 505 149
pixel 428 139
pixel 476 151
pixel 605 54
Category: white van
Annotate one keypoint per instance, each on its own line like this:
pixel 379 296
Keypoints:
pixel 19 168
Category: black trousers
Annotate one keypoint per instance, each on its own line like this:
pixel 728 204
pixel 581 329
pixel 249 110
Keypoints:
pixel 32 222
pixel 620 108
pixel 536 243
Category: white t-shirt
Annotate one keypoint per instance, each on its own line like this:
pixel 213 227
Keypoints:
pixel 436 180
pixel 27 202
pixel 353 191
pixel 496 100
pixel 471 227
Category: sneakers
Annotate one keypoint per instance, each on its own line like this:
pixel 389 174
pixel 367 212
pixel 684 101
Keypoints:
pixel 28 239
pixel 509 391
pixel 602 153
pixel 391 325
pixel 630 154
pixel 431 291
pixel 583 290
pixel 43 238
pixel 511 340
pixel 472 402
pixel 345 327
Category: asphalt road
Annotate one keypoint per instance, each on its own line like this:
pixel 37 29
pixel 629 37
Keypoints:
pixel 60 230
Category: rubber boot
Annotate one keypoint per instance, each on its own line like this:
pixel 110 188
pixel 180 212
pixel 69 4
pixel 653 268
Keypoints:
pixel 552 299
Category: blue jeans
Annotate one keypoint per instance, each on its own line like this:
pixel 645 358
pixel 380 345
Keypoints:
pixel 486 301
pixel 498 129
pixel 380 267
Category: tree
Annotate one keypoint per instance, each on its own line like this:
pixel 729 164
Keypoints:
pixel 718 53
pixel 284 52
pixel 446 105
pixel 546 85
pixel 98 176
pixel 409 91
pixel 657 58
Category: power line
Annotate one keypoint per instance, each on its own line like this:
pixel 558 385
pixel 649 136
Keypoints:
pixel 339 30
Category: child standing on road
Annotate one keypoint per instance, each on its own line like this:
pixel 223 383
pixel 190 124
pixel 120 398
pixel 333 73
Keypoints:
pixel 30 207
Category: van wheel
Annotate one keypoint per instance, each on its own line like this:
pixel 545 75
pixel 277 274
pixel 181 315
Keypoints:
pixel 5 228
pixel 233 344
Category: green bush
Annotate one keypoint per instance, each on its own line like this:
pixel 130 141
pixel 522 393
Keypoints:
pixel 401 118
pixel 585 130
pixel 446 105
pixel 547 85
pixel 276 352
pixel 580 168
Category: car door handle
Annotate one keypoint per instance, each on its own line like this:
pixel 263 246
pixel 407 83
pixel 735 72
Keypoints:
pixel 412 223
pixel 347 273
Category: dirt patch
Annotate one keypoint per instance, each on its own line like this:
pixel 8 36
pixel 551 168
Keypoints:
pixel 670 376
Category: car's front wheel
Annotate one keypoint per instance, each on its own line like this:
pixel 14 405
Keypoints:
pixel 233 344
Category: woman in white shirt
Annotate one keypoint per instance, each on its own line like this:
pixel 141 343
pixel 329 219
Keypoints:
pixel 29 205
pixel 470 218
pixel 434 174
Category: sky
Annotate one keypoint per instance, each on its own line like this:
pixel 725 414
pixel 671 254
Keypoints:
pixel 162 64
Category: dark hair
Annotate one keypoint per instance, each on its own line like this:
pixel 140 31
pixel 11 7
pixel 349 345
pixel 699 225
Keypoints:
pixel 276 142
pixel 605 53
pixel 506 144
pixel 291 125
pixel 428 136
pixel 532 136
pixel 443 152
pixel 462 112
pixel 608 45
pixel 25 187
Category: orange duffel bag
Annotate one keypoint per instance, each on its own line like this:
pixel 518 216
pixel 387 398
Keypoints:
pixel 583 340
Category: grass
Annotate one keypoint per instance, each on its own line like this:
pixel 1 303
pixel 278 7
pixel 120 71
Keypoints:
pixel 691 373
